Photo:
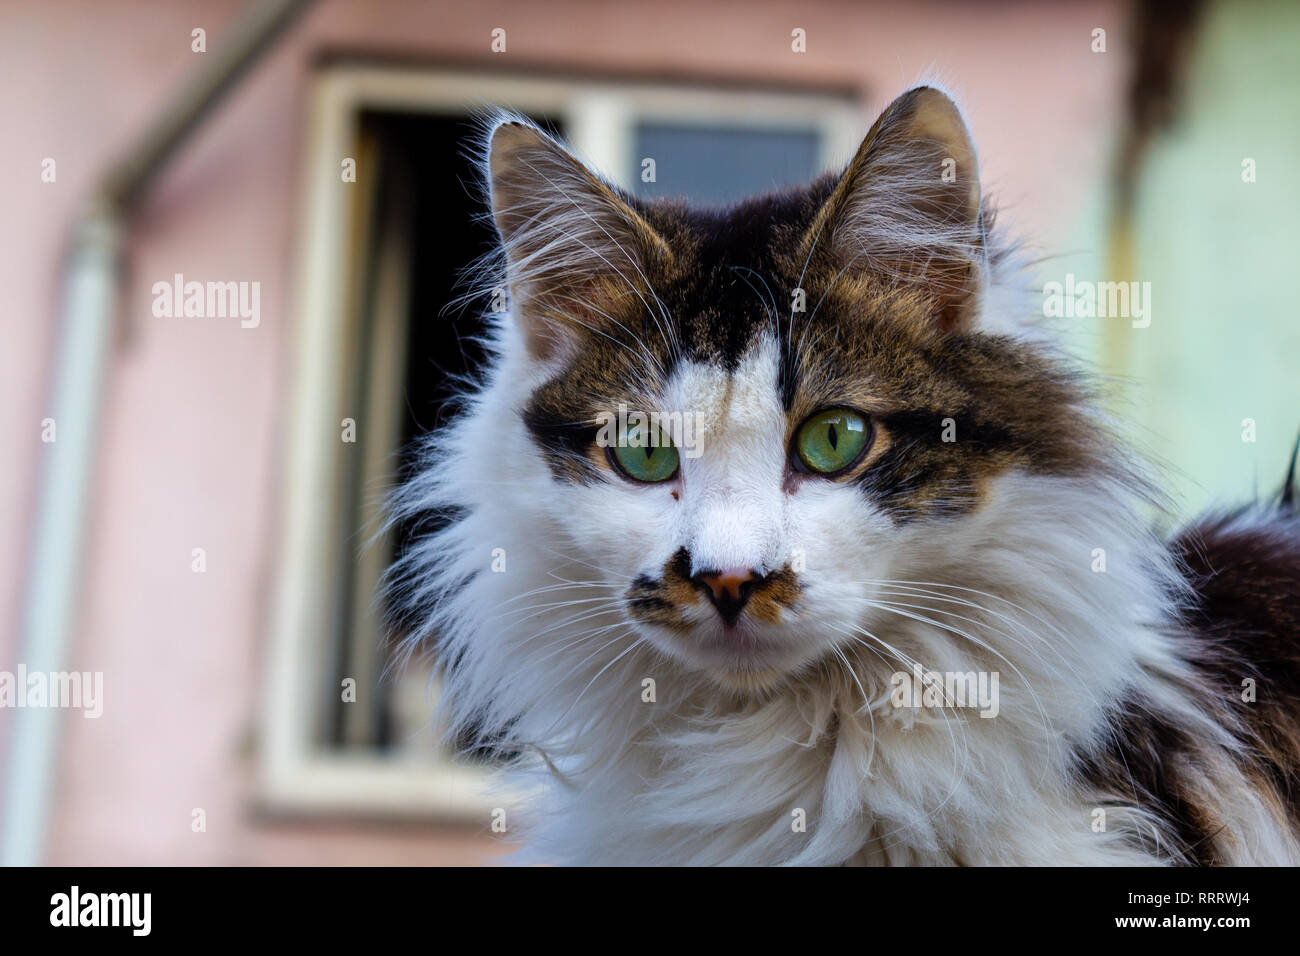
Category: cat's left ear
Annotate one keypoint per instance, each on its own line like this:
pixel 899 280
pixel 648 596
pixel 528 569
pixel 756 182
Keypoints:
pixel 907 209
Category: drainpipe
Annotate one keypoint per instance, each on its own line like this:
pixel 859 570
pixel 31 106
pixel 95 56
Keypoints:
pixel 91 273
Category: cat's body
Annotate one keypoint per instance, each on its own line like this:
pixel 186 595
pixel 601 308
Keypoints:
pixel 703 667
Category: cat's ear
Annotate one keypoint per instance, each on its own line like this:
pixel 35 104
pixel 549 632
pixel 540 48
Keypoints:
pixel 575 249
pixel 908 207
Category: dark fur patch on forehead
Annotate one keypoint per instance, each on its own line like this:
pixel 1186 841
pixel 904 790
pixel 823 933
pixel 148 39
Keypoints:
pixel 734 276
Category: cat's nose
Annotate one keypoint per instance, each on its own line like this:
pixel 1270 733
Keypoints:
pixel 728 589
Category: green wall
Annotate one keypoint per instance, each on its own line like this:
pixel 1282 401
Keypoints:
pixel 1223 259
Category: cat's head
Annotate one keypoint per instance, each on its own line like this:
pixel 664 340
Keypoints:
pixel 756 418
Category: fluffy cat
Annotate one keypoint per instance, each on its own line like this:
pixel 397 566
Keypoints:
pixel 699 652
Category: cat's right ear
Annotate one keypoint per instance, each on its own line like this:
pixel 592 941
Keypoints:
pixel 908 210
pixel 576 251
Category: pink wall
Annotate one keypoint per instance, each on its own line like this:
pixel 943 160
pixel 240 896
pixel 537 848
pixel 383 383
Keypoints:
pixel 192 411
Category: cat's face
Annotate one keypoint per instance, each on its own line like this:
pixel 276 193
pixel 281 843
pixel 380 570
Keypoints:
pixel 756 419
pixel 742 561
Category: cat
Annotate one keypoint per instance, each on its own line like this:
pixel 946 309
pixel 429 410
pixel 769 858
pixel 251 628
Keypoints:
pixel 737 644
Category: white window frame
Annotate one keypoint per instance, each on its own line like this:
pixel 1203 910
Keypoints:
pixel 294 775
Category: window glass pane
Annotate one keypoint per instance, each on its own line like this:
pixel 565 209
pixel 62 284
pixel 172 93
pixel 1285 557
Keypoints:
pixel 721 164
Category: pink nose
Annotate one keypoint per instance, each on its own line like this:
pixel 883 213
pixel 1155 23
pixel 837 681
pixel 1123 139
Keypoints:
pixel 728 589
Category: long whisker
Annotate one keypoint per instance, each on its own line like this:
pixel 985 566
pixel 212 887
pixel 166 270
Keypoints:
pixel 898 590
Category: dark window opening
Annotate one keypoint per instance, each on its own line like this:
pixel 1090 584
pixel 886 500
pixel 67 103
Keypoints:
pixel 427 172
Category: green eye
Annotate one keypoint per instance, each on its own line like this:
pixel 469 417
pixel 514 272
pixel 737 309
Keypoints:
pixel 645 456
pixel 832 441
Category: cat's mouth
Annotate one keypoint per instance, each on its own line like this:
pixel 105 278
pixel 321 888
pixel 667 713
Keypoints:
pixel 744 655
pixel 739 644
pixel 733 623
